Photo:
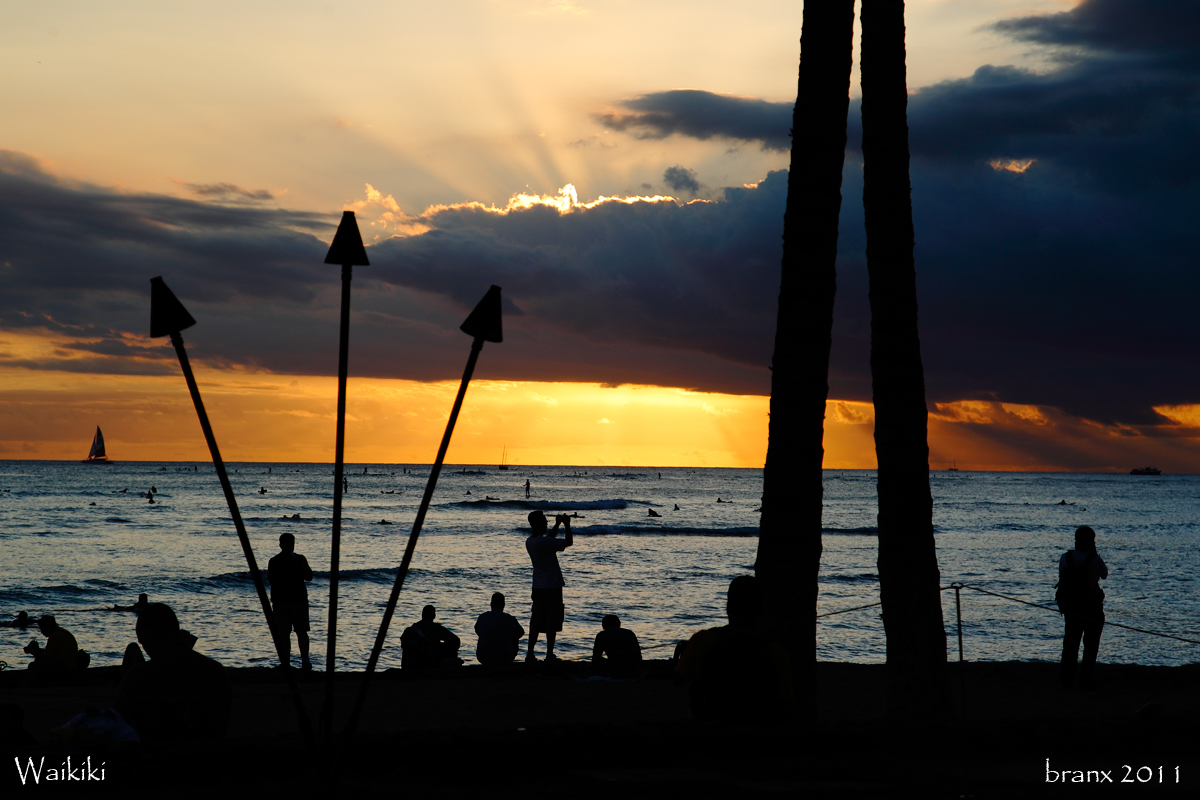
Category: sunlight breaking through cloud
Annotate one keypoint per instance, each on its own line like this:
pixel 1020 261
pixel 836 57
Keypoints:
pixel 1012 165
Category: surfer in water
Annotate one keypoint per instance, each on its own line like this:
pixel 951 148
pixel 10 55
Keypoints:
pixel 22 621
pixel 653 513
pixel 526 488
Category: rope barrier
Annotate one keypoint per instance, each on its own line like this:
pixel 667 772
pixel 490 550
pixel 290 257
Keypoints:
pixel 1106 623
pixel 869 605
pixel 1022 602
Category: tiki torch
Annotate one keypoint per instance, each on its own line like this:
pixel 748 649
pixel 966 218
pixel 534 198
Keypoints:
pixel 482 325
pixel 167 318
pixel 347 249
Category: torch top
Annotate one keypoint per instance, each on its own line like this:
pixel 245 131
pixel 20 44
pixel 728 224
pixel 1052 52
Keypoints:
pixel 347 247
pixel 167 314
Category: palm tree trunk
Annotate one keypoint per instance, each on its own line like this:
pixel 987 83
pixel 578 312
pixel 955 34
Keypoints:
pixel 908 569
pixel 789 545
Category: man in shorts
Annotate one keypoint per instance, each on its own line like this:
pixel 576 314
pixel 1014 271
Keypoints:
pixel 543 549
pixel 287 573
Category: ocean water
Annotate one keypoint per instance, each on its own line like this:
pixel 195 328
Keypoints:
pixel 77 539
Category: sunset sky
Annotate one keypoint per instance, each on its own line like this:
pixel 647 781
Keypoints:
pixel 619 168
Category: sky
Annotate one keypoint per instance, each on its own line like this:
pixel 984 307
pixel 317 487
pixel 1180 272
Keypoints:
pixel 619 169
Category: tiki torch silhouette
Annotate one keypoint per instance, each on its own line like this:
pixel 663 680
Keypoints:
pixel 347 249
pixel 482 325
pixel 167 318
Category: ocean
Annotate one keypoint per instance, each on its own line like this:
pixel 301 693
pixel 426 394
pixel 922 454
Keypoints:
pixel 76 539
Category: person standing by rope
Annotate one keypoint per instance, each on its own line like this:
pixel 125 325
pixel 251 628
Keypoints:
pixel 1081 600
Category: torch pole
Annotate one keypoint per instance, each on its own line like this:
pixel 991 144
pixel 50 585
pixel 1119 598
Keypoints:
pixel 338 475
pixel 476 346
pixel 255 574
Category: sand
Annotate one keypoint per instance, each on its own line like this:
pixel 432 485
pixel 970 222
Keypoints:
pixel 548 732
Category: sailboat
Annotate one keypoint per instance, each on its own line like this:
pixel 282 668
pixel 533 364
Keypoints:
pixel 96 454
pixel 504 458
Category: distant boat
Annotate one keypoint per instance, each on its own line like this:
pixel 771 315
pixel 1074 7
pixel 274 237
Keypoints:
pixel 953 467
pixel 504 458
pixel 96 454
pixel 1146 471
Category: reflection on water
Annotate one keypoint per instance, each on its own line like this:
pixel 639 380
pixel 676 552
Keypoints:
pixel 665 576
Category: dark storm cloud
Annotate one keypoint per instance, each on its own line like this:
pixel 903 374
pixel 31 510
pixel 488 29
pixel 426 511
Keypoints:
pixel 1070 283
pixel 1157 28
pixel 1121 112
pixel 689 278
pixel 681 179
pixel 703 115
pixel 646 292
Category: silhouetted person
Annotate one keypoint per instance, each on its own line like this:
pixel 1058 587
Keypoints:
pixel 426 644
pixel 345 484
pixel 22 621
pixel 737 672
pixel 543 548
pixel 142 601
pixel 178 694
pixel 620 645
pixel 1081 600
pixel 287 572
pixel 499 635
pixel 653 513
pixel 59 657
pixel 526 488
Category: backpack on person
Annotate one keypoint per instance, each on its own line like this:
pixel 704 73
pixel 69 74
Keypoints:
pixel 1075 592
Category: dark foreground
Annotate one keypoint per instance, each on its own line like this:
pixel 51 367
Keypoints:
pixel 547 732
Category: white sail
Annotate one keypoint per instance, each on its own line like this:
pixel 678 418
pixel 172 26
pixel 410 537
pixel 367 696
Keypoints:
pixel 97 454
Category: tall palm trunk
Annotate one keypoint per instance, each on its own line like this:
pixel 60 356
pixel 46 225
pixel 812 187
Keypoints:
pixel 789 545
pixel 908 569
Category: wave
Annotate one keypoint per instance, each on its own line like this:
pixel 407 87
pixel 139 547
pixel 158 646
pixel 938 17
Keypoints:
pixel 546 505
pixel 118 520
pixel 89 587
pixel 609 530
pixel 851 531
pixel 865 577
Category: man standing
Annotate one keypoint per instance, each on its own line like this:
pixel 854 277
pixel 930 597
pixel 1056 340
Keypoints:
pixel 543 549
pixel 287 572
pixel 1081 599
pixel 499 635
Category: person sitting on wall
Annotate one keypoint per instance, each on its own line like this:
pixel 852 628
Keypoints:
pixel 59 657
pixel 179 694
pixel 427 644
pixel 620 645
pixel 737 672
pixel 499 635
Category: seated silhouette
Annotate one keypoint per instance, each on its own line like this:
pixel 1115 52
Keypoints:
pixel 59 658
pixel 737 672
pixel 616 653
pixel 499 635
pixel 179 694
pixel 426 644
